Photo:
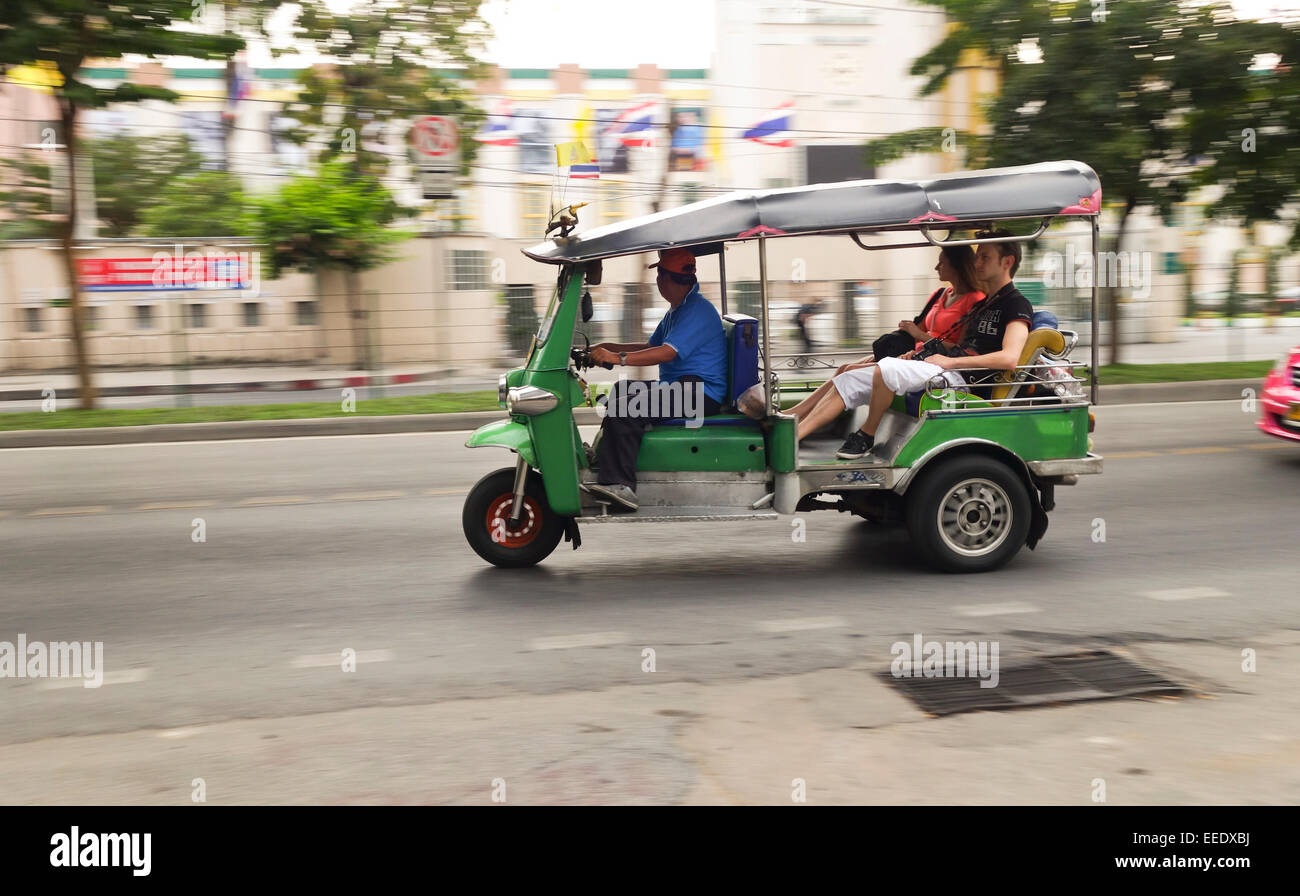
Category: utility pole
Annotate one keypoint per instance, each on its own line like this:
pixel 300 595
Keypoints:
pixel 644 292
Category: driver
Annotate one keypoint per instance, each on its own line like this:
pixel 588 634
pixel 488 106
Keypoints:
pixel 690 347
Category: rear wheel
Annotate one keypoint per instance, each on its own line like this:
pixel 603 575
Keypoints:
pixel 969 514
pixel 486 521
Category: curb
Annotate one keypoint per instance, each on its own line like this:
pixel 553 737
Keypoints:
pixel 1202 390
pixel 1207 390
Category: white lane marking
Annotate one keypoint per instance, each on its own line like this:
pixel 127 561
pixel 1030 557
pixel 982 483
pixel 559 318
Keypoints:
pixel 996 609
pixel 126 676
pixel 323 660
pixel 175 505
pixel 445 492
pixel 565 642
pixel 179 732
pixel 802 624
pixel 274 499
pixel 1195 592
pixel 366 496
pixel 69 511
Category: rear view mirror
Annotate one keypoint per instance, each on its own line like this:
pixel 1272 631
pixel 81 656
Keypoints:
pixel 586 306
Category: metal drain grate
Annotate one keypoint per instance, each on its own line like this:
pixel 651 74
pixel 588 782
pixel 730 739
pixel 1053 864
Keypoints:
pixel 1092 675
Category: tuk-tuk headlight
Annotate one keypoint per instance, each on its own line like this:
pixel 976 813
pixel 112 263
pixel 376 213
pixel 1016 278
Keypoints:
pixel 530 400
pixel 502 390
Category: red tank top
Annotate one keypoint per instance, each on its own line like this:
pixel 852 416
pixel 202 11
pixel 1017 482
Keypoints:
pixel 940 320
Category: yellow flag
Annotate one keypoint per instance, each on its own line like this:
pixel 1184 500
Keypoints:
pixel 574 153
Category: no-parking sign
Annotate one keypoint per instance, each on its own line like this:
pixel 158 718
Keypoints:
pixel 435 153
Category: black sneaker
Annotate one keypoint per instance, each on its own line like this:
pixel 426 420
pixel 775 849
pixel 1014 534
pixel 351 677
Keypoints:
pixel 855 446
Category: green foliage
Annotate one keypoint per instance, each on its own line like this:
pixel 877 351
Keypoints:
pixel 28 200
pixel 69 32
pixel 132 172
pixel 438 403
pixel 207 203
pixel 1153 95
pixel 390 54
pixel 336 218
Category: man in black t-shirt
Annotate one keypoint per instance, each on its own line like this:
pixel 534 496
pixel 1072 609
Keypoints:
pixel 995 336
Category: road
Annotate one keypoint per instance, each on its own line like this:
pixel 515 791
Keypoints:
pixel 223 655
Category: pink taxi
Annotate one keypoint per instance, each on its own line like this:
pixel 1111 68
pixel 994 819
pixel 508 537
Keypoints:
pixel 1280 401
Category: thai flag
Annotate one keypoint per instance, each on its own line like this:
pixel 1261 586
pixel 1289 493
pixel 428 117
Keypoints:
pixel 589 171
pixel 635 126
pixel 770 129
pixel 499 129
pixel 239 88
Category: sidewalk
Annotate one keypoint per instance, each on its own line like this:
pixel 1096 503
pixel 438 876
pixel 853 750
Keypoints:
pixel 849 736
pixel 24 386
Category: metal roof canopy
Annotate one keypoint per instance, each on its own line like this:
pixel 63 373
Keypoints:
pixel 1044 190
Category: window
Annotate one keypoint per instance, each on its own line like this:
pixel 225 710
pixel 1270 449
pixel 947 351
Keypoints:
pixel 144 317
pixel 469 269
pixel 457 214
pixel 304 314
pixel 196 316
pixel 748 297
pixel 90 317
pixel 32 321
pixel 252 314
pixel 534 210
pixel 615 208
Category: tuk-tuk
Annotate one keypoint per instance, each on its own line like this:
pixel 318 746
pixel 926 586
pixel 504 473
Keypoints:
pixel 972 477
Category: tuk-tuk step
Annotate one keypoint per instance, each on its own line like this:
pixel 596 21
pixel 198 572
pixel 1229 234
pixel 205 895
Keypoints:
pixel 700 514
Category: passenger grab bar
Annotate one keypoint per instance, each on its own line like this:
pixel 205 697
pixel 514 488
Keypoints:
pixel 862 245
pixel 1023 238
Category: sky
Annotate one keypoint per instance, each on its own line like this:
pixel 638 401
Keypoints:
pixel 623 33
pixel 600 33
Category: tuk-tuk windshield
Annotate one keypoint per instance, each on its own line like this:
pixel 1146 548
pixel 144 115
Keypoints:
pixel 544 331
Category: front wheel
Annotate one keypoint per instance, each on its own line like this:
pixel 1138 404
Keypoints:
pixel 486 521
pixel 969 514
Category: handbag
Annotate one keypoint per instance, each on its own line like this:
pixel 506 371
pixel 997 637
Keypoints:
pixel 891 345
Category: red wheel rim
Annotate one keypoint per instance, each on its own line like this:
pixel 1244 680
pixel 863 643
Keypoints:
pixel 498 521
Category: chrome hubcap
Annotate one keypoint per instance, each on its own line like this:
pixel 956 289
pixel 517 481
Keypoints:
pixel 975 517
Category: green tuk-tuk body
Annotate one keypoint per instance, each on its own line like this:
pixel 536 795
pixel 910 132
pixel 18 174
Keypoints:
pixel 973 478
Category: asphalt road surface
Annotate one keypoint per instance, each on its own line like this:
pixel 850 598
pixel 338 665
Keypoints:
pixel 222 655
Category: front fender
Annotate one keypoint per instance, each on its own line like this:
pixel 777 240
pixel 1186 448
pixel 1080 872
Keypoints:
pixel 505 434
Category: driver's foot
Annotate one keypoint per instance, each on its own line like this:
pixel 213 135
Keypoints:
pixel 621 494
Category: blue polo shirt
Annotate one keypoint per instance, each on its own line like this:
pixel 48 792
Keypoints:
pixel 694 329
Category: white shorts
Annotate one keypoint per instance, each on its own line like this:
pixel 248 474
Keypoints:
pixel 899 376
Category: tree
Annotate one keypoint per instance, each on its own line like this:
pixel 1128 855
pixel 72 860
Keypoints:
pixel 208 203
pixel 337 219
pixel 386 57
pixel 65 35
pixel 1144 91
pixel 132 171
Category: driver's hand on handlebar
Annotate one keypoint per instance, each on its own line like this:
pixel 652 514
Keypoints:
pixel 601 355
